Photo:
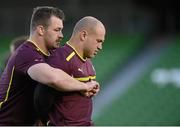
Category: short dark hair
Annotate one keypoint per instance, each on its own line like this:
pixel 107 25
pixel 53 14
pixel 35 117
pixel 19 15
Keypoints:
pixel 42 14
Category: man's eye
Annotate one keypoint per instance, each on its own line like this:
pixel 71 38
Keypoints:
pixel 99 41
pixel 57 30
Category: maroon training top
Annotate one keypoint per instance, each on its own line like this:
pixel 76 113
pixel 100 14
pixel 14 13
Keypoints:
pixel 17 88
pixel 71 108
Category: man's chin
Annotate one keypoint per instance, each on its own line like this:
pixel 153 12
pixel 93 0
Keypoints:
pixel 57 46
pixel 91 56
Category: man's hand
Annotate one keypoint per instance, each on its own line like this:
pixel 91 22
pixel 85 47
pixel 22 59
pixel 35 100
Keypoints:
pixel 93 88
pixel 94 91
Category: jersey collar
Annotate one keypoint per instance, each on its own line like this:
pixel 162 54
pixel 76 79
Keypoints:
pixel 38 48
pixel 76 52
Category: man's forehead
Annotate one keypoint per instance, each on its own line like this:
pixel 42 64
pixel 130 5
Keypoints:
pixel 55 21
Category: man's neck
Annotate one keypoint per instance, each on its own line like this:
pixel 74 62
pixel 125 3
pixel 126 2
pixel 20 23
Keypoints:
pixel 39 44
pixel 77 46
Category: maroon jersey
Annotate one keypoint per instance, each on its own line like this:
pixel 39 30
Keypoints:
pixel 71 108
pixel 17 88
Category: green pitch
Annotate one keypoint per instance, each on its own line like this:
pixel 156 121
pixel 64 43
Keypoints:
pixel 4 48
pixel 147 103
pixel 117 49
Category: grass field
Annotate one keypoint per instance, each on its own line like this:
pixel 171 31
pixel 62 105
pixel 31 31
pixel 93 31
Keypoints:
pixel 146 103
pixel 117 49
pixel 4 48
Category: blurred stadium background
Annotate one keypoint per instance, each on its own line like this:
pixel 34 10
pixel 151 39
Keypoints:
pixel 139 66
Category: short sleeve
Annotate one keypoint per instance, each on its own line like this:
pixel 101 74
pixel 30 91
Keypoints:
pixel 26 57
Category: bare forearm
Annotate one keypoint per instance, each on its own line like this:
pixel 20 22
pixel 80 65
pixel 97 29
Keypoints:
pixel 57 78
pixel 64 82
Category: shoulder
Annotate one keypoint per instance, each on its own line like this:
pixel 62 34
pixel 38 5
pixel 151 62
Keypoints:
pixel 65 50
pixel 26 56
pixel 28 50
pixel 57 57
pixel 61 53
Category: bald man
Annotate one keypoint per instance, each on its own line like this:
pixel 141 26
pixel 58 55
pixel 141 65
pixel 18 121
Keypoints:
pixel 72 108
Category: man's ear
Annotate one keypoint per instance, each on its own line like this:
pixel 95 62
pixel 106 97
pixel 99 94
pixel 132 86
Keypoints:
pixel 83 35
pixel 40 30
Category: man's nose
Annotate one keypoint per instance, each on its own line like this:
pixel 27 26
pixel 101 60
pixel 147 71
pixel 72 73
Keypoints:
pixel 100 46
pixel 61 35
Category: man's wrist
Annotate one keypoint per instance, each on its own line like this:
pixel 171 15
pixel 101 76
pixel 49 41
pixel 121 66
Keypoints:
pixel 85 87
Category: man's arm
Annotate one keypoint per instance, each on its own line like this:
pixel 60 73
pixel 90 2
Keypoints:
pixel 57 78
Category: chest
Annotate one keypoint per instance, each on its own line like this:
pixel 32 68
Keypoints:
pixel 82 69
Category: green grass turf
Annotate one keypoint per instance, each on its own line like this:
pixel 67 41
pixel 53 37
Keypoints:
pixel 4 48
pixel 117 49
pixel 145 103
